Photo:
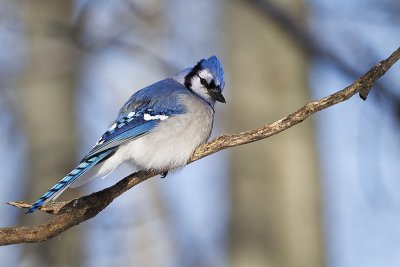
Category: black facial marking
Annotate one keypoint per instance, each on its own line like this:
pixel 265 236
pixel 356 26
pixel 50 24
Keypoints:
pixel 213 89
pixel 191 74
pixel 212 84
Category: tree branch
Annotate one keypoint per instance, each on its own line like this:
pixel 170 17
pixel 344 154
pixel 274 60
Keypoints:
pixel 310 44
pixel 71 213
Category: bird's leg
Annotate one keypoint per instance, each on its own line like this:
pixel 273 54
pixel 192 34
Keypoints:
pixel 164 174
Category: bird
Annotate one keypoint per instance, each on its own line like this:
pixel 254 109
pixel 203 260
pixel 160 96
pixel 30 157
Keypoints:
pixel 157 129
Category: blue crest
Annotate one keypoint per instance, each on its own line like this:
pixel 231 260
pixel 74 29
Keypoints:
pixel 215 67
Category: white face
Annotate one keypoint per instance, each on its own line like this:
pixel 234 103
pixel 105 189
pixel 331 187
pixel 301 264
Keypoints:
pixel 206 75
pixel 199 84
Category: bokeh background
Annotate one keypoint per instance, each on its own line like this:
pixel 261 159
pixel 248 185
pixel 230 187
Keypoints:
pixel 323 193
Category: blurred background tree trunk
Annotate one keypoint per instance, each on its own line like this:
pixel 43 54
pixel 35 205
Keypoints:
pixel 275 191
pixel 45 99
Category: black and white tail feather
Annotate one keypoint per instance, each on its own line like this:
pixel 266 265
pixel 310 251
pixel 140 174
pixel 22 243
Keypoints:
pixel 64 183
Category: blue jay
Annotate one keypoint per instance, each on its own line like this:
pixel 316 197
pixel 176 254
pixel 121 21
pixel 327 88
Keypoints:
pixel 158 128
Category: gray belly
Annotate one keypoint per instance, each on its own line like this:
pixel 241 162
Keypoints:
pixel 172 142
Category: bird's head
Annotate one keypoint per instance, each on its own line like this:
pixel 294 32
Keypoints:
pixel 206 79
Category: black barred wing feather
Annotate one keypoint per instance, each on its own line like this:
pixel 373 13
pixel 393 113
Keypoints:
pixel 128 128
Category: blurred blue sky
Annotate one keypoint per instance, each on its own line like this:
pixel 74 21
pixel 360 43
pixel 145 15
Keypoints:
pixel 358 155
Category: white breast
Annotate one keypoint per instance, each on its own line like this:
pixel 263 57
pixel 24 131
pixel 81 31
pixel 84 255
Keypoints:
pixel 173 141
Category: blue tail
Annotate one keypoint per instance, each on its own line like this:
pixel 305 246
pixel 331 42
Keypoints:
pixel 58 188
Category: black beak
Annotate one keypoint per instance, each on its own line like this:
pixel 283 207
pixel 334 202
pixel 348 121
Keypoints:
pixel 217 95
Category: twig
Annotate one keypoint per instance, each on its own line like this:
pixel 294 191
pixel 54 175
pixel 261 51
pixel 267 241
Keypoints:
pixel 310 44
pixel 74 212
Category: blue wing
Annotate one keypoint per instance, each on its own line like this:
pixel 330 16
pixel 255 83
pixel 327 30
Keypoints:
pixel 143 111
pixel 126 129
pixel 162 99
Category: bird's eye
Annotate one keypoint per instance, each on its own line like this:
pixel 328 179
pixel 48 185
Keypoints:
pixel 203 81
